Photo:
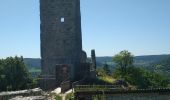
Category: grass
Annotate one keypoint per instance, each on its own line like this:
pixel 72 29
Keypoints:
pixel 58 97
pixel 107 79
pixel 168 85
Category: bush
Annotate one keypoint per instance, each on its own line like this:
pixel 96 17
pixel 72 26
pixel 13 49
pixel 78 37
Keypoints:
pixel 58 97
pixel 142 78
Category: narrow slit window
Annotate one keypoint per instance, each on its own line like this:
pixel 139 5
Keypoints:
pixel 62 19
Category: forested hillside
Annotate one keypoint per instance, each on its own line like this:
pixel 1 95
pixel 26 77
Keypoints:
pixel 144 61
pixel 162 67
pixel 33 65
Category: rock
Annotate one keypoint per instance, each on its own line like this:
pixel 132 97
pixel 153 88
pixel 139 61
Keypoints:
pixel 57 90
pixel 25 93
pixel 29 98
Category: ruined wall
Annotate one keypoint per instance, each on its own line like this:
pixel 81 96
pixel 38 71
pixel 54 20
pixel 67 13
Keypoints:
pixel 35 93
pixel 119 94
pixel 140 96
pixel 129 96
pixel 61 41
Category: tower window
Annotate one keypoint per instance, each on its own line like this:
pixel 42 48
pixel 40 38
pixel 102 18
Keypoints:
pixel 62 19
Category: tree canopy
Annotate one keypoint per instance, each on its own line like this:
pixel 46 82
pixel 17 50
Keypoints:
pixel 136 75
pixel 123 60
pixel 14 74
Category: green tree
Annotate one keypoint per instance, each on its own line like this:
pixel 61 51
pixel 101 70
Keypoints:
pixel 106 69
pixel 14 74
pixel 136 76
pixel 156 80
pixel 123 60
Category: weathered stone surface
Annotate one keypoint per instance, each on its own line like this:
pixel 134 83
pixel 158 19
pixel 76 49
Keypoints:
pixel 93 57
pixel 141 94
pixel 12 94
pixel 84 57
pixel 65 86
pixel 29 98
pixel 62 73
pixel 61 40
pixel 135 96
pixel 47 82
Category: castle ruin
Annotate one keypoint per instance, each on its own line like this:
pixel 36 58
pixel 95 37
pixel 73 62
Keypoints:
pixel 62 57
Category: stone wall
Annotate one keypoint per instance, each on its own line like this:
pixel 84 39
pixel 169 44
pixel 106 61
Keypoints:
pixel 47 82
pixel 61 40
pixel 62 73
pixel 12 94
pixel 148 94
pixel 139 96
pixel 65 86
pixel 132 96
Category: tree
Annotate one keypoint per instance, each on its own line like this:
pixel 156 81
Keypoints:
pixel 106 69
pixel 14 74
pixel 136 76
pixel 123 60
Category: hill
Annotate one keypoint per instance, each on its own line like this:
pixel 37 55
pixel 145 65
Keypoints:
pixel 162 67
pixel 139 60
pixel 32 62
pixel 33 65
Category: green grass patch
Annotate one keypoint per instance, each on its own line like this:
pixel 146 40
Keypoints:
pixel 107 79
pixel 58 97
pixel 168 85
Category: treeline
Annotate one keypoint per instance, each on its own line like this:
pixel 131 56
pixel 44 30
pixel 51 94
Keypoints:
pixel 135 76
pixel 14 75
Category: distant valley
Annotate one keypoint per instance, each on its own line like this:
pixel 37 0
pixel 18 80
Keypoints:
pixel 33 64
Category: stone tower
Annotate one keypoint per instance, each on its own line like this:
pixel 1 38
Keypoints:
pixel 61 40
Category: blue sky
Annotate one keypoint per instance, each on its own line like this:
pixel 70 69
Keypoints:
pixel 108 26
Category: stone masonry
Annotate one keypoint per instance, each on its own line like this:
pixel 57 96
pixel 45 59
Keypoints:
pixel 61 39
